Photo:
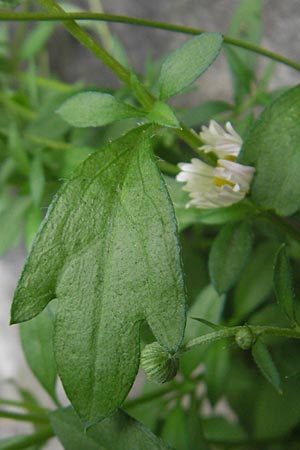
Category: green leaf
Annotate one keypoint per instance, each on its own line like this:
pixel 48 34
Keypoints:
pixel 183 66
pixel 108 251
pixel 162 114
pixel 95 109
pixel 17 149
pixel 10 222
pixel 246 24
pixel 276 415
pixel 242 76
pixel 9 3
pixel 32 223
pixel 216 370
pixel 118 432
pixel 175 429
pixel 37 180
pixel 256 281
pixel 272 147
pixel 204 112
pixel 283 284
pixel 37 343
pixel 36 40
pixel 229 255
pixel 266 365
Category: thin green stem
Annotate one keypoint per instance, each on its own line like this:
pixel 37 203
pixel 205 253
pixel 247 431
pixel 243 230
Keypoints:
pixel 257 330
pixel 89 42
pixel 58 15
pixel 23 442
pixel 35 418
pixel 23 405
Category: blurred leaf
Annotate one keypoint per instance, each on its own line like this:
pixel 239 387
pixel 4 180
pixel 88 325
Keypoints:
pixel 246 24
pixel 17 149
pixel 9 3
pixel 36 39
pixel 216 370
pixel 108 271
pixel 208 305
pixel 95 109
pixel 118 432
pixel 37 343
pixel 242 76
pixel 183 66
pixel 32 222
pixel 162 114
pixel 203 113
pixel 218 429
pixel 174 431
pixel 283 284
pixel 10 222
pixel 276 415
pixel 37 180
pixel 276 129
pixel 265 364
pixel 256 281
pixel 229 255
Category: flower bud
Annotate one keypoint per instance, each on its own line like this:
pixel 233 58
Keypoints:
pixel 244 338
pixel 159 365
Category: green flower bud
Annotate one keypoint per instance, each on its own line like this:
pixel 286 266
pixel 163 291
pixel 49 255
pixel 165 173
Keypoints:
pixel 244 338
pixel 159 365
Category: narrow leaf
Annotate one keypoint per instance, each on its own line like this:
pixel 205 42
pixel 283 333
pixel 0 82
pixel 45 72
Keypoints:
pixel 95 109
pixel 118 432
pixel 272 147
pixel 108 252
pixel 182 67
pixel 162 114
pixel 216 370
pixel 229 255
pixel 37 180
pixel 266 365
pixel 283 284
pixel 36 40
pixel 36 338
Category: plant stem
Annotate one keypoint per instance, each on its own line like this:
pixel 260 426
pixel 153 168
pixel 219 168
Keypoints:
pixel 23 442
pixel 59 15
pixel 283 225
pixel 35 418
pixel 257 330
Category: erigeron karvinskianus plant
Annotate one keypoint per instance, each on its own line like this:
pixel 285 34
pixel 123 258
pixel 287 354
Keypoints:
pixel 106 260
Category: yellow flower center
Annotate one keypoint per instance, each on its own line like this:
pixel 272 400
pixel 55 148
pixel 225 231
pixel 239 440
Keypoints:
pixel 221 182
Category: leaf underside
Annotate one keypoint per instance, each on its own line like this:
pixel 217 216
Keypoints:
pixel 108 252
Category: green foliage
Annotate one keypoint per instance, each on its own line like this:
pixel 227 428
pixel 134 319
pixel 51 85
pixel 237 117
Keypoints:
pixel 266 365
pixel 107 254
pixel 36 338
pixel 182 67
pixel 276 129
pixel 95 109
pixel 229 255
pixel 283 284
pixel 86 352
pixel 117 432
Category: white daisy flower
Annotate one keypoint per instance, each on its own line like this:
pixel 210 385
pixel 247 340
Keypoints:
pixel 215 187
pixel 225 144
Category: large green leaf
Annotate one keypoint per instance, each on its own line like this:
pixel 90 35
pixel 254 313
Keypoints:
pixel 108 251
pixel 183 66
pixel 272 147
pixel 94 109
pixel 118 432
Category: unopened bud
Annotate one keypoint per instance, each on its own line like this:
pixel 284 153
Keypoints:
pixel 159 365
pixel 244 338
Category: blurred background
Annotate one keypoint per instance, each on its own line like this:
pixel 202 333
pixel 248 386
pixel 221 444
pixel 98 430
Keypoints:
pixel 69 62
